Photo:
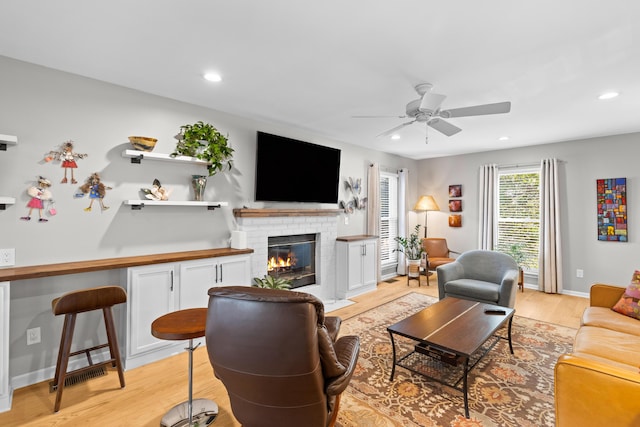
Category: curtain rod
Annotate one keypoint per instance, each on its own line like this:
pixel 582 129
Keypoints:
pixel 524 165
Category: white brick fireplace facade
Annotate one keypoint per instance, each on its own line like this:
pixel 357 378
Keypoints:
pixel 260 224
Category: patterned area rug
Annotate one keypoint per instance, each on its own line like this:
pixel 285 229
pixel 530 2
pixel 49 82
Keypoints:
pixel 504 389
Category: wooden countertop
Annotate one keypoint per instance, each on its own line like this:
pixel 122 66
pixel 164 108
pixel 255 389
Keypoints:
pixel 45 270
pixel 356 238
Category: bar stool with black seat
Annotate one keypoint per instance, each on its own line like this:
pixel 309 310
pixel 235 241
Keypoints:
pixel 85 300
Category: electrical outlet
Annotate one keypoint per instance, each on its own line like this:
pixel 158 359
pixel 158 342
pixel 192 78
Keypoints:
pixel 579 273
pixel 33 336
pixel 7 257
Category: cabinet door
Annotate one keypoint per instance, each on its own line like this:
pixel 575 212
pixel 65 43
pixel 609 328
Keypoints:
pixel 234 271
pixel 354 266
pixel 369 274
pixel 196 277
pixel 151 294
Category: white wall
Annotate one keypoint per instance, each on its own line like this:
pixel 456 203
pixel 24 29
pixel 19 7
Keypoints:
pixel 583 162
pixel 44 108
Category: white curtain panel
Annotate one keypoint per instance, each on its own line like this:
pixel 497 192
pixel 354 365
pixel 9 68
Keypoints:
pixel 402 216
pixel 373 209
pixel 550 256
pixel 487 206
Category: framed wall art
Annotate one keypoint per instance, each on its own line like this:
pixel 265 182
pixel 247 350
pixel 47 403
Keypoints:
pixel 455 190
pixel 455 205
pixel 455 220
pixel 612 209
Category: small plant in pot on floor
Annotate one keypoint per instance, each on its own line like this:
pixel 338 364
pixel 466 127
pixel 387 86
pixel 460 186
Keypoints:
pixel 271 282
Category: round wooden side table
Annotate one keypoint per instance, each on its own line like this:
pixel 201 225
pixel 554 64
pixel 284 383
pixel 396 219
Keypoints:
pixel 177 326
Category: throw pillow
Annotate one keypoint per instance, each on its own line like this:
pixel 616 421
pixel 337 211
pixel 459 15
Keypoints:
pixel 629 303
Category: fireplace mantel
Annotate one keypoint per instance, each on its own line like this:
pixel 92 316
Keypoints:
pixel 265 213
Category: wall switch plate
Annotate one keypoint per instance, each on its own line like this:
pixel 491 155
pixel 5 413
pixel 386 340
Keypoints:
pixel 579 273
pixel 33 336
pixel 7 257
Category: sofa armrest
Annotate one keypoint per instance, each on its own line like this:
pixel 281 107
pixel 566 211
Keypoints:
pixel 447 273
pixel 347 350
pixel 602 295
pixel 590 392
pixel 508 287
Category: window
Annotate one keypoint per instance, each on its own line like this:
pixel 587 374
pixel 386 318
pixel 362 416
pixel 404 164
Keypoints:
pixel 519 214
pixel 388 221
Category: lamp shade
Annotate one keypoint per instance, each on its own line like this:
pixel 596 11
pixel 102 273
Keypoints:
pixel 426 203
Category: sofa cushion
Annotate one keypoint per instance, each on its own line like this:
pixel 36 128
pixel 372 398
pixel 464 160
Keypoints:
pixel 609 344
pixel 629 303
pixel 473 289
pixel 606 318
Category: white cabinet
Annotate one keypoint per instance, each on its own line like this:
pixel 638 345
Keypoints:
pixel 196 277
pixel 155 290
pixel 356 265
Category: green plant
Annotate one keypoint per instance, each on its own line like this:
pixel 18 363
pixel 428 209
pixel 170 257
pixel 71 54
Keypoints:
pixel 412 246
pixel 271 282
pixel 516 252
pixel 204 142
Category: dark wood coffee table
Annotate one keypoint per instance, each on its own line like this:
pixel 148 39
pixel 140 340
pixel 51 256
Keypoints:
pixel 451 336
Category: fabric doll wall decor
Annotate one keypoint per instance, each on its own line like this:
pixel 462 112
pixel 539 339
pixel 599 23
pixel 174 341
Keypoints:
pixel 96 190
pixel 68 158
pixel 39 193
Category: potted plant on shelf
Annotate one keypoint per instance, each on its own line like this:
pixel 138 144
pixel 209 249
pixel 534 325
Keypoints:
pixel 412 248
pixel 203 141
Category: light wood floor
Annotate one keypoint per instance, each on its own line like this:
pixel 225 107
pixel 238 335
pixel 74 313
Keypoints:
pixel 153 389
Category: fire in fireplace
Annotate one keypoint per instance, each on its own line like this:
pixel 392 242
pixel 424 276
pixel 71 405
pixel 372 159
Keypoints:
pixel 293 258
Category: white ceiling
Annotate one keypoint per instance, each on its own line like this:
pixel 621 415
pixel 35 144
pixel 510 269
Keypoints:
pixel 315 64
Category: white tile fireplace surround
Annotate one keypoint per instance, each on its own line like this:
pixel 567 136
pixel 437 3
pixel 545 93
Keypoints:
pixel 260 224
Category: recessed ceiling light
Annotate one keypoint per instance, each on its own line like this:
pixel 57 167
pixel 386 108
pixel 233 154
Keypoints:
pixel 213 77
pixel 608 95
pixel 503 138
pixel 395 136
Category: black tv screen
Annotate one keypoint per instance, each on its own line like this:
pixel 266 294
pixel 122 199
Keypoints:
pixel 288 170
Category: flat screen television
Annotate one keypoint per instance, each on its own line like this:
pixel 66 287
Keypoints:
pixel 288 170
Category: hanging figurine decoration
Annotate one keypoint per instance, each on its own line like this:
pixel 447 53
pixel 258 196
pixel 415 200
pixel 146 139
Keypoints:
pixel 356 202
pixel 68 158
pixel 96 190
pixel 156 192
pixel 39 193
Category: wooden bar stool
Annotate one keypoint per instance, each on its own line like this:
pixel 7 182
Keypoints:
pixel 72 303
pixel 182 325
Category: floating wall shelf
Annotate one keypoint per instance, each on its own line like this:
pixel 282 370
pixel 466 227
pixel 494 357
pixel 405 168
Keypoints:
pixel 137 156
pixel 4 201
pixel 7 140
pixel 139 204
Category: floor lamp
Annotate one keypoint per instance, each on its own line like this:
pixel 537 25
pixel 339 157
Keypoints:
pixel 426 204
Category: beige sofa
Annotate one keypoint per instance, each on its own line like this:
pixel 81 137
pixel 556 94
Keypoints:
pixel 598 384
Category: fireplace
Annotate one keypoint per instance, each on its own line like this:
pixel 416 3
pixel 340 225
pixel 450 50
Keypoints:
pixel 293 258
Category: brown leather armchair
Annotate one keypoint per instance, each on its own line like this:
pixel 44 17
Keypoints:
pixel 278 356
pixel 437 253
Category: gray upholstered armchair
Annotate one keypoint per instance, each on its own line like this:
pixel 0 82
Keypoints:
pixel 278 356
pixel 485 276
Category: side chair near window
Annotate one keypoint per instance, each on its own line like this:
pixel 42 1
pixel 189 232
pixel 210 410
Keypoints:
pixel 484 276
pixel 437 253
pixel 278 356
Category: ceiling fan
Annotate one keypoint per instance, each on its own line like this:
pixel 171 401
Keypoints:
pixel 427 110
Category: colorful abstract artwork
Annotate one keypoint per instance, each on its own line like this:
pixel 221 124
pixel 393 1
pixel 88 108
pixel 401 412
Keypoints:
pixel 612 209
pixel 455 220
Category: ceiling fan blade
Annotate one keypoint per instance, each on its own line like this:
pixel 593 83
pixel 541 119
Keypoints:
pixel 477 110
pixel 378 117
pixel 431 101
pixel 443 127
pixel 395 129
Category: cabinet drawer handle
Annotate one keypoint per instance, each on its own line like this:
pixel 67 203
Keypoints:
pixel 220 273
pixel 171 280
